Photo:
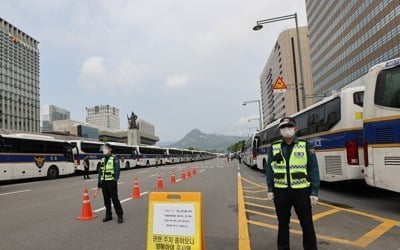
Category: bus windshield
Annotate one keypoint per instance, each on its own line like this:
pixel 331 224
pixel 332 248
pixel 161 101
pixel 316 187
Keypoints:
pixel 387 91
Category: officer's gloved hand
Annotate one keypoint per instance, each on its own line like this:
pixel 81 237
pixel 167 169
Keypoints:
pixel 313 199
pixel 270 196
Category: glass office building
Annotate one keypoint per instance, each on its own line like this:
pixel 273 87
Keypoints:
pixel 347 37
pixel 19 80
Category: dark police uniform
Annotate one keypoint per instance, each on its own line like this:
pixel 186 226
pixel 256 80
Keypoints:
pixel 292 175
pixel 107 181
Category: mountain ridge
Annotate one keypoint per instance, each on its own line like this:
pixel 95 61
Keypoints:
pixel 199 140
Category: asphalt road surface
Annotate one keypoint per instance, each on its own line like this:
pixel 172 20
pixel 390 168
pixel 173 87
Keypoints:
pixel 41 214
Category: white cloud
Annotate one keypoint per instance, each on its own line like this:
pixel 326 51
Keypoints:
pixel 177 81
pixel 95 73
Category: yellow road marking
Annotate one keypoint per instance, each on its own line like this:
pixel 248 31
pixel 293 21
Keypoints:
pixel 372 216
pixel 326 213
pixel 338 240
pixel 258 191
pixel 256 198
pixel 374 234
pixel 252 187
pixel 258 205
pixel 268 215
pixel 252 182
pixel 363 241
pixel 244 239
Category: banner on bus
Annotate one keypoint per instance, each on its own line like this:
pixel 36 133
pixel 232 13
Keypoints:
pixel 175 221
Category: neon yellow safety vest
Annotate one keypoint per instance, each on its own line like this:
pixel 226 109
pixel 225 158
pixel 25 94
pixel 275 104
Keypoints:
pixel 107 170
pixel 297 166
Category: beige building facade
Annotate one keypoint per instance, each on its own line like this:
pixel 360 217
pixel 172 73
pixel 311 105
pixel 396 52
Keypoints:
pixel 283 61
pixel 349 37
pixel 103 117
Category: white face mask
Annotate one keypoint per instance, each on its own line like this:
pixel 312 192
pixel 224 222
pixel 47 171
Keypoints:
pixel 287 132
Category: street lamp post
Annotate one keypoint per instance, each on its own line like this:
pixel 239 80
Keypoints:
pixel 259 110
pixel 282 18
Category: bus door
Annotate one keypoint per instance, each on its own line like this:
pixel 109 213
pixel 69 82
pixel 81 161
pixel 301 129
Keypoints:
pixel 5 167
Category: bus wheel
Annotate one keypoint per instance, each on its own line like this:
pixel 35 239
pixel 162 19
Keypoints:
pixel 161 162
pixel 127 165
pixel 52 172
pixel 147 164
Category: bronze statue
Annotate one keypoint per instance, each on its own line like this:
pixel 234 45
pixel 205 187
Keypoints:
pixel 132 121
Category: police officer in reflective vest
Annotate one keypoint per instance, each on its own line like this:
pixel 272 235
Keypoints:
pixel 293 180
pixel 107 181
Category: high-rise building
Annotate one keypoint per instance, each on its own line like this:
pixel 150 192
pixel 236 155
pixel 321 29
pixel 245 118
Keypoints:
pixel 52 113
pixel 283 61
pixel 19 80
pixel 103 116
pixel 348 37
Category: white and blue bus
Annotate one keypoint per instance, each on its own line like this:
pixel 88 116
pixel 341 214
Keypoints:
pixel 333 126
pixel 174 155
pixel 28 156
pixel 382 126
pixel 93 150
pixel 249 153
pixel 147 156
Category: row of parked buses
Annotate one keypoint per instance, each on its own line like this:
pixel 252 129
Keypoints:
pixel 29 156
pixel 355 133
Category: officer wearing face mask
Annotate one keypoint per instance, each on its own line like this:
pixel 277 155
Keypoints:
pixel 107 182
pixel 293 180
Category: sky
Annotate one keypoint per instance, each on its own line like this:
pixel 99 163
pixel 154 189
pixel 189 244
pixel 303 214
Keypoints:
pixel 179 64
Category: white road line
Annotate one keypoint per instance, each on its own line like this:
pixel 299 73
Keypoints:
pixel 143 171
pixel 202 170
pixel 178 180
pixel 212 167
pixel 16 192
pixel 19 184
pixel 122 201
pixel 92 179
pixel 153 175
pixel 94 188
pixel 121 182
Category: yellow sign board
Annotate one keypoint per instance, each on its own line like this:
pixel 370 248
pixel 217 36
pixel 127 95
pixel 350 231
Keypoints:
pixel 279 86
pixel 175 221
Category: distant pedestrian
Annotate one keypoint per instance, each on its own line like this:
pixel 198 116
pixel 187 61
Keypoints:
pixel 107 182
pixel 240 158
pixel 293 180
pixel 86 166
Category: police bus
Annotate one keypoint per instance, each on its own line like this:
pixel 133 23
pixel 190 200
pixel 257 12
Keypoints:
pixel 150 156
pixel 382 126
pixel 93 149
pixel 249 153
pixel 187 155
pixel 174 155
pixel 28 156
pixel 333 127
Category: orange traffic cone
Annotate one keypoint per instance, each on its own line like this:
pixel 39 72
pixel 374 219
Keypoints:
pixel 194 171
pixel 183 176
pixel 173 178
pixel 160 184
pixel 189 173
pixel 86 208
pixel 136 190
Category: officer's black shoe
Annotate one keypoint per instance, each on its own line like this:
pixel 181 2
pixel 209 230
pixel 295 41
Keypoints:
pixel 120 220
pixel 105 219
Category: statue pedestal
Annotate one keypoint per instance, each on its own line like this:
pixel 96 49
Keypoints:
pixel 133 137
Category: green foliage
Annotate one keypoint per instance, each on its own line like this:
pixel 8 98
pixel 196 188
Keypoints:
pixel 235 147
